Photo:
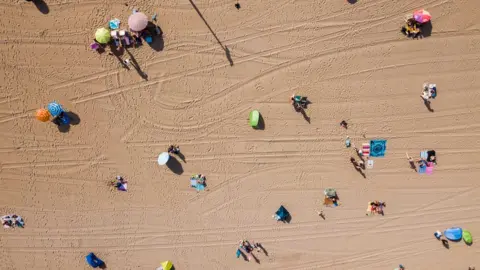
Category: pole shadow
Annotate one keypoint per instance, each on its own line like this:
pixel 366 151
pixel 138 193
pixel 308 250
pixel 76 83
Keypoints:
pixel 227 51
pixel 136 66
pixel 174 165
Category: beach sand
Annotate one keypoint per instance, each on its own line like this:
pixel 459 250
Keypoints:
pixel 349 59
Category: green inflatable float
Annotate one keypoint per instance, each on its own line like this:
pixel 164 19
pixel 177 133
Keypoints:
pixel 254 118
pixel 467 237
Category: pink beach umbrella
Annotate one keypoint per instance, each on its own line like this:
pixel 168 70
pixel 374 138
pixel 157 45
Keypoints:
pixel 422 16
pixel 137 21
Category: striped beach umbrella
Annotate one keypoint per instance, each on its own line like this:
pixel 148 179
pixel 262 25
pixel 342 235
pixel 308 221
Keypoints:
pixel 55 109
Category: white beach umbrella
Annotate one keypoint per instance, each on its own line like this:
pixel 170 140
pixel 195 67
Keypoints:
pixel 163 158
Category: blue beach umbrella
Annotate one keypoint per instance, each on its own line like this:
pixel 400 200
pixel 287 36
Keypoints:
pixel 55 109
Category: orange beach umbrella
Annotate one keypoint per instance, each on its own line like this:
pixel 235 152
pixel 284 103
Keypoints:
pixel 42 115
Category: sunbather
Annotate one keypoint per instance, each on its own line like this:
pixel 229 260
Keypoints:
pixel 411 28
pixel 299 100
pixel 174 149
pixel 431 156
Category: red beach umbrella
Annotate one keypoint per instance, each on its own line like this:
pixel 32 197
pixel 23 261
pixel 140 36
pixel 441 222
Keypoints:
pixel 422 16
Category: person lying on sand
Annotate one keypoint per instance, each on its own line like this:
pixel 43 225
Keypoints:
pixel 412 162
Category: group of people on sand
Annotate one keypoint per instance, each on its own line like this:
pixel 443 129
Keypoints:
pixel 360 164
pixel 12 221
pixel 376 207
pixel 246 249
pixel 412 28
pixel 429 92
pixel 300 104
pixel 423 161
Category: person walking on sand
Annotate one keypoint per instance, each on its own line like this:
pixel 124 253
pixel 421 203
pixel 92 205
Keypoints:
pixel 321 214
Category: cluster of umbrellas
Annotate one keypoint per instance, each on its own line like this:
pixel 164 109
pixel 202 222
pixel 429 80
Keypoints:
pixel 53 110
pixel 137 22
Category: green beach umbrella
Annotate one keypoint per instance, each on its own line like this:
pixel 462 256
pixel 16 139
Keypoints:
pixel 467 237
pixel 254 118
pixel 102 35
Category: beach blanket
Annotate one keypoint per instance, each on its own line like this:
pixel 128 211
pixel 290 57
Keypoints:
pixel 194 183
pixel 378 148
pixel 422 169
pixel 429 168
pixel 365 149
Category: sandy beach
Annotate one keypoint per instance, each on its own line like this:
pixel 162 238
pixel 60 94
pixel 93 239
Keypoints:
pixel 217 63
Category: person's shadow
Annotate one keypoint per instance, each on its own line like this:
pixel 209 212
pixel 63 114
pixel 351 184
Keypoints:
pixel 174 165
pixel 264 250
pixel 41 6
pixel 182 157
pixel 427 104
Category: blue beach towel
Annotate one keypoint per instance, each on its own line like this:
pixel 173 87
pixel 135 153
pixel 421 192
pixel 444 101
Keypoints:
pixel 422 169
pixel 200 187
pixel 378 148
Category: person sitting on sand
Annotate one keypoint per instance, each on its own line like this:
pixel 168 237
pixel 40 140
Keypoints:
pixel 174 149
pixel 411 28
pixel 299 101
pixel 431 156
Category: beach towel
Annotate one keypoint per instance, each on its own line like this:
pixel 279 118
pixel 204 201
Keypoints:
pixel 114 24
pixel 429 168
pixel 93 260
pixel 365 149
pixel 122 187
pixel 200 187
pixel 422 169
pixel 378 148
pixel 370 164
pixel 424 155
pixel 193 182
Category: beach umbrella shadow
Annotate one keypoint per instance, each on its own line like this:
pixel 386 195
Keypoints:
pixel 41 6
pixel 174 165
pixel 427 29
